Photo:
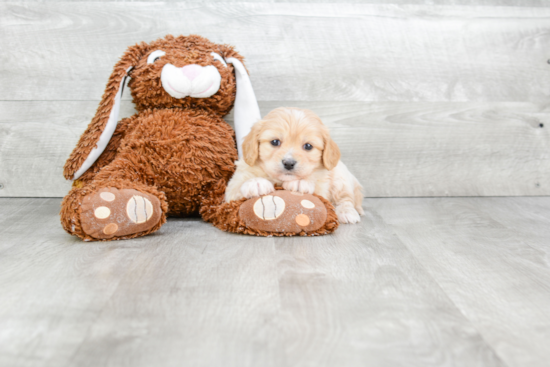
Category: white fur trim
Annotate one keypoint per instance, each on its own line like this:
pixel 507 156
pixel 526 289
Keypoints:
pixel 155 54
pixel 219 58
pixel 246 110
pixel 107 132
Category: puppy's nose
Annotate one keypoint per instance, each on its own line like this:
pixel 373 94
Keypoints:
pixel 289 164
pixel 191 71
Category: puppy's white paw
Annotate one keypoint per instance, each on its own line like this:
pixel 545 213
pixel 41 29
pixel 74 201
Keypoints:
pixel 256 187
pixel 347 215
pixel 302 186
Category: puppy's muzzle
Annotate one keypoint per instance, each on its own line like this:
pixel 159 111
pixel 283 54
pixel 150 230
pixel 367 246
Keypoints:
pixel 289 164
pixel 191 80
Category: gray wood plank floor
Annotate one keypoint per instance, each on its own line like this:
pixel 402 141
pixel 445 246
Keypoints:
pixel 420 282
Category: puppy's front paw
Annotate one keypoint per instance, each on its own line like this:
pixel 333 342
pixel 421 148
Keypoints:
pixel 256 187
pixel 302 186
pixel 347 215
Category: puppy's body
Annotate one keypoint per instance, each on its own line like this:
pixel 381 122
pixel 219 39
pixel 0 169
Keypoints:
pixel 292 148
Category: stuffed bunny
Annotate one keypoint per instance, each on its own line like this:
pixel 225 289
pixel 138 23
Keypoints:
pixel 176 154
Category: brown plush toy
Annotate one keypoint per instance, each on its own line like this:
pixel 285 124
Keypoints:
pixel 176 154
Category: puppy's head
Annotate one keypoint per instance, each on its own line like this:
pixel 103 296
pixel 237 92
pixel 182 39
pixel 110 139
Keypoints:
pixel 290 144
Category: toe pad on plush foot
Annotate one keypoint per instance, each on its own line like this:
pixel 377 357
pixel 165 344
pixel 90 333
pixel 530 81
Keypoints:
pixel 284 212
pixel 111 212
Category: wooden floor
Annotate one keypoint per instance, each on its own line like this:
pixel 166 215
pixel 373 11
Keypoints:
pixel 420 282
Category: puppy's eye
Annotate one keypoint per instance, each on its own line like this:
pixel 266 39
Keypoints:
pixel 308 146
pixel 154 56
pixel 275 142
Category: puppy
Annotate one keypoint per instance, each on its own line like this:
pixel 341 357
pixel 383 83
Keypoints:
pixel 291 147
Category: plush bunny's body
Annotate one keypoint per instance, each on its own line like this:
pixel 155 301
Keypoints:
pixel 174 151
pixel 174 156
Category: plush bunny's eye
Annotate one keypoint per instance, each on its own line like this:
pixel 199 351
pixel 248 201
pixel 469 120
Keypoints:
pixel 154 56
pixel 219 58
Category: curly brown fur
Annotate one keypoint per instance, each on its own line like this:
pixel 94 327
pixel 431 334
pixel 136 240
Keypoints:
pixel 110 152
pixel 181 152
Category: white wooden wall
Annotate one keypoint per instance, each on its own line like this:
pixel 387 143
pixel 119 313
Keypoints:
pixel 450 99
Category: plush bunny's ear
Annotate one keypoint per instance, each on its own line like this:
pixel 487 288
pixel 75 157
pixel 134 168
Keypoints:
pixel 100 130
pixel 246 110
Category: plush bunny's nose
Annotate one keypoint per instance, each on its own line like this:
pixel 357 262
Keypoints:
pixel 190 81
pixel 191 71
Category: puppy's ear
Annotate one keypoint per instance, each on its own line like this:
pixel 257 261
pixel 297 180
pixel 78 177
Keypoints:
pixel 96 137
pixel 331 153
pixel 251 144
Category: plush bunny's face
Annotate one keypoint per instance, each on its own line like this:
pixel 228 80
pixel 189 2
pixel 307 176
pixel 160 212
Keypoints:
pixel 186 72
pixel 173 72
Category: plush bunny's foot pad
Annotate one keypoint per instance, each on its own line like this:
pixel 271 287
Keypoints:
pixel 281 213
pixel 284 212
pixel 111 212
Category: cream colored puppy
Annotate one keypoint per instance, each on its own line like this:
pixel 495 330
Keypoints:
pixel 291 147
